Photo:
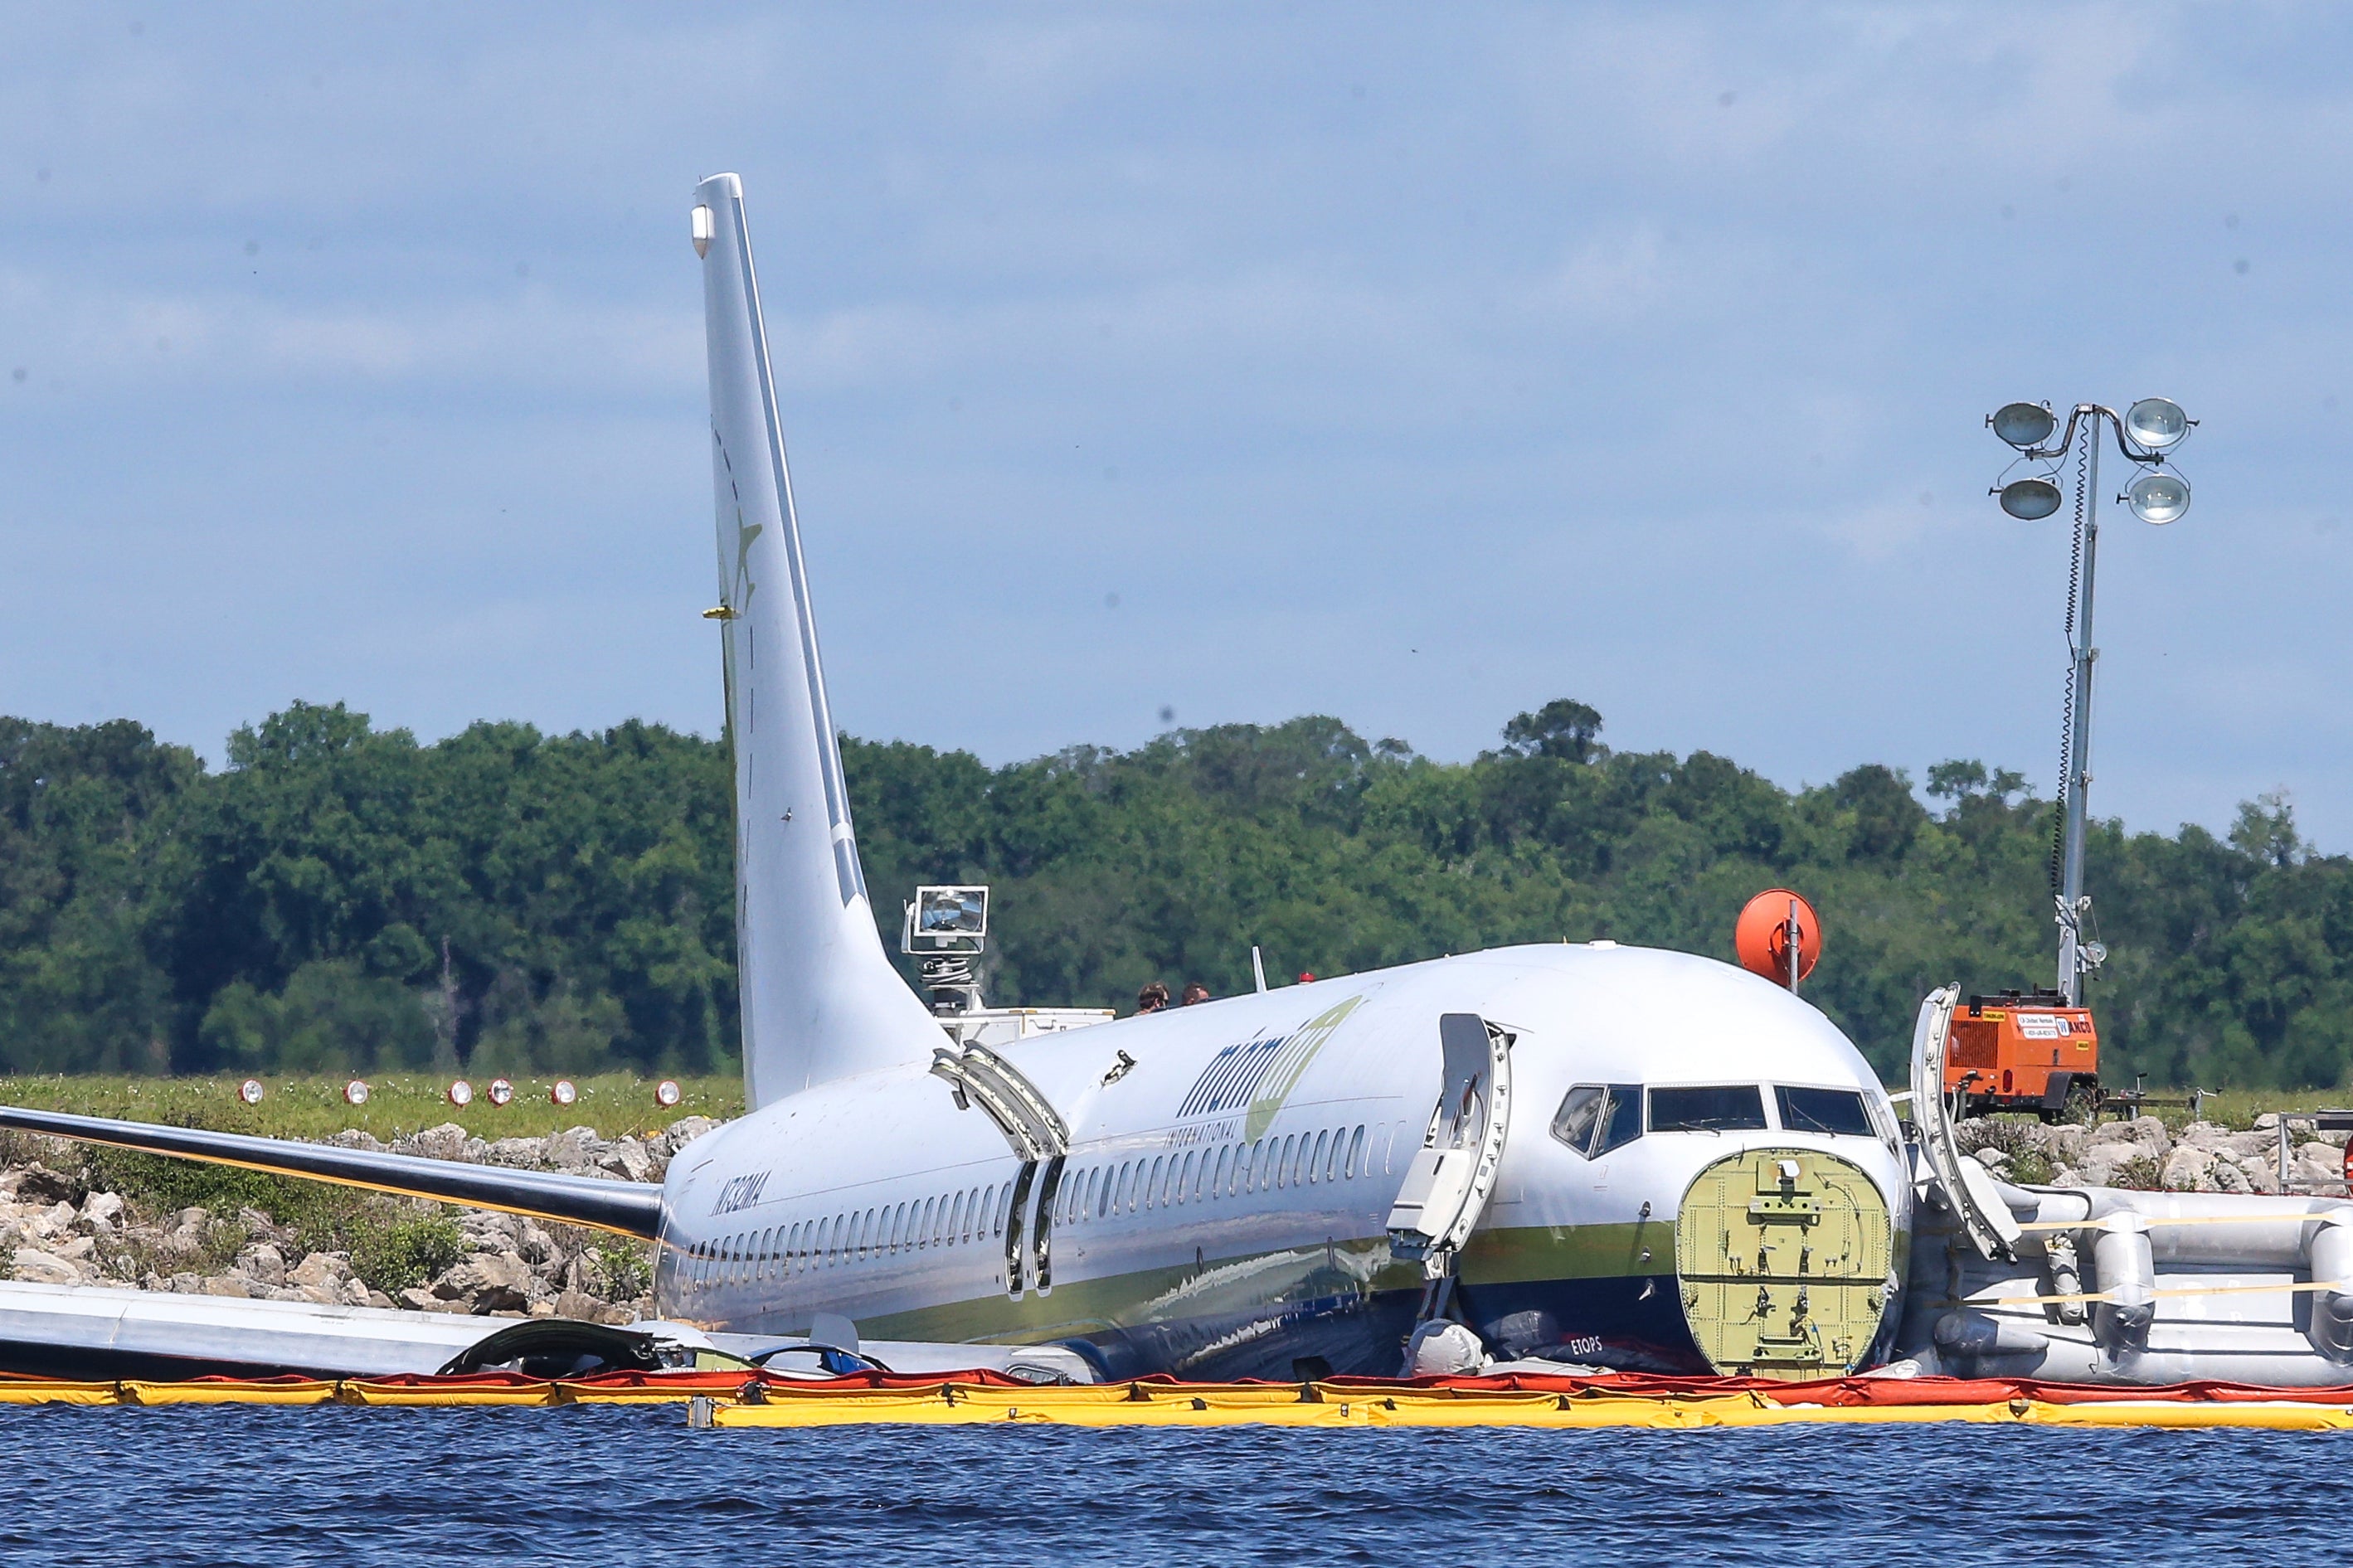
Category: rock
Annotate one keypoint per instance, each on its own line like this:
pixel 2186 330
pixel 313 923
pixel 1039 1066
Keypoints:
pixel 102 1211
pixel 259 1225
pixel 582 1306
pixel 2318 1165
pixel 486 1231
pixel 2065 1144
pixel 329 1270
pixel 187 1284
pixel 686 1130
pixel 523 1153
pixel 2253 1145
pixel 1992 1159
pixel 190 1229
pixel 356 1138
pixel 227 1285
pixel 2228 1177
pixel 576 1149
pixel 487 1282
pixel 2203 1135
pixel 628 1159
pixel 43 1268
pixel 535 1245
pixel 374 1298
pixel 541 1309
pixel 2187 1170
pixel 2146 1131
pixel 76 1248
pixel 52 1221
pixel 262 1264
pixel 2267 1120
pixel 39 1185
pixel 417 1298
pixel 447 1141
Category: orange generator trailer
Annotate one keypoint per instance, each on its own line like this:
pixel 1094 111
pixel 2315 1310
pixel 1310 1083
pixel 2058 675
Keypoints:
pixel 2023 1050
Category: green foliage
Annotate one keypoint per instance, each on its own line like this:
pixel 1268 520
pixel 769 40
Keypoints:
pixel 341 898
pixel 406 1251
pixel 624 1272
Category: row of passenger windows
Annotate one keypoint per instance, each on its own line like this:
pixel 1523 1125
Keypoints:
pixel 1595 1118
pixel 1200 1176
pixel 1098 1192
pixel 950 1220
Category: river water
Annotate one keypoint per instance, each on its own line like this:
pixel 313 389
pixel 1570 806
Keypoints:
pixel 618 1488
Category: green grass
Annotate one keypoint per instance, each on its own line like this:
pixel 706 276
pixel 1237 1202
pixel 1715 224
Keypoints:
pixel 305 1107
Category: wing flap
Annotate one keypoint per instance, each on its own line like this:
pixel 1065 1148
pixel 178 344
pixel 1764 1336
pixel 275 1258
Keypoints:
pixel 625 1208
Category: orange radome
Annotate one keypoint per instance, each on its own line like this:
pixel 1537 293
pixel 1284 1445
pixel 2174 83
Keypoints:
pixel 1761 938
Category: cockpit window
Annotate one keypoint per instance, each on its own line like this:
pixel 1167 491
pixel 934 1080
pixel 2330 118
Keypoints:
pixel 1623 1123
pixel 1709 1107
pixel 1838 1112
pixel 1595 1118
pixel 1579 1114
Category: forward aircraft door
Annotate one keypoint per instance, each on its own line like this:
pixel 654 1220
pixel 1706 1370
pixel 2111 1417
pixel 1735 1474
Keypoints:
pixel 1453 1175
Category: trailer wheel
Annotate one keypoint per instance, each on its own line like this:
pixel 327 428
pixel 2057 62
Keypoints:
pixel 2083 1104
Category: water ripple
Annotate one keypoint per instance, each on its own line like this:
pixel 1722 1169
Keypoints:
pixel 607 1485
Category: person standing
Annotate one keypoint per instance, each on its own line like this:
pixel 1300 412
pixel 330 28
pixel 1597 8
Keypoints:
pixel 1195 992
pixel 1152 998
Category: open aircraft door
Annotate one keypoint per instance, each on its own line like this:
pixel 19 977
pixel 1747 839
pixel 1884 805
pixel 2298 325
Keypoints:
pixel 1038 1133
pixel 1453 1175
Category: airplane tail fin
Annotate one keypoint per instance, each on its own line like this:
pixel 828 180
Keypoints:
pixel 820 1000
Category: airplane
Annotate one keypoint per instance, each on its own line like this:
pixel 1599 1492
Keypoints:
pixel 1570 1153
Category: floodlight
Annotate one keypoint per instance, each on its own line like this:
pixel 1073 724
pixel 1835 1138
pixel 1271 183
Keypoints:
pixel 2025 424
pixel 2158 498
pixel 2157 423
pixel 2030 499
pixel 951 912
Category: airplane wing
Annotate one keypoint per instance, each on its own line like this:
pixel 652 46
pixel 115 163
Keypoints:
pixel 627 1208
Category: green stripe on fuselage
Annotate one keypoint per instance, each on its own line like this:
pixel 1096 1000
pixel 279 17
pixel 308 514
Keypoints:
pixel 1235 1286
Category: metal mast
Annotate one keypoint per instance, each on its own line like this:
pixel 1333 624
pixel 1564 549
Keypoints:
pixel 2079 743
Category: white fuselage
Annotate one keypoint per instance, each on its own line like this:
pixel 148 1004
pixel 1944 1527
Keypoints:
pixel 1202 1222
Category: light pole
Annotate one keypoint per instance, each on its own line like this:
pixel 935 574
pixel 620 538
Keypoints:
pixel 2145 433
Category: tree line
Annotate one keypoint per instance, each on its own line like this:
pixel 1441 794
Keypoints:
pixel 339 898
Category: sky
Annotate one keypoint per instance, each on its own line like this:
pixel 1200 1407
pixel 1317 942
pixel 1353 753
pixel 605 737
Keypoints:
pixel 1149 366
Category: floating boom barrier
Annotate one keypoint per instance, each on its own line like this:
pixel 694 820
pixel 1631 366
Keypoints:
pixel 730 1399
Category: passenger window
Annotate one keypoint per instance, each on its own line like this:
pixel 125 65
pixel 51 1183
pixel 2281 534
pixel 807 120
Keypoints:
pixel 1838 1112
pixel 1225 1164
pixel 1185 1177
pixel 1356 1160
pixel 1708 1108
pixel 1152 1185
pixel 1315 1156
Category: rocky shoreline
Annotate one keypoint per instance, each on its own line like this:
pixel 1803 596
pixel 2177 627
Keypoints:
pixel 61 1226
pixel 2202 1157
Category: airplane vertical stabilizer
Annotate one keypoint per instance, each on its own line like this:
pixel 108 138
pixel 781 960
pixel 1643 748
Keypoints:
pixel 820 999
